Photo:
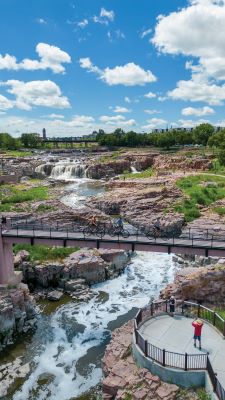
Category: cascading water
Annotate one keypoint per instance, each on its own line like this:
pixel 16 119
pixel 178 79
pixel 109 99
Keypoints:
pixel 70 360
pixel 68 171
pixel 62 170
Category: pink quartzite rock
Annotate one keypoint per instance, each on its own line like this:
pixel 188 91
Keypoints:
pixel 124 379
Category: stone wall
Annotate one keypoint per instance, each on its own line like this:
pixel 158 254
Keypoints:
pixel 17 313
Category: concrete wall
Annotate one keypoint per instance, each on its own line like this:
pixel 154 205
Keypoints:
pixel 185 379
pixel 9 179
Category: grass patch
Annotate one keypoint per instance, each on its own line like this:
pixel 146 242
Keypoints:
pixel 198 194
pixel 17 153
pixel 219 210
pixel 12 195
pixel 45 207
pixel 44 253
pixel 221 313
pixel 147 173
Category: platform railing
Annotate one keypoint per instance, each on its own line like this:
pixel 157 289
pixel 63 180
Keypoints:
pixel 186 362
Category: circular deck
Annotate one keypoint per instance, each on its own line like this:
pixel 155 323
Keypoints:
pixel 175 334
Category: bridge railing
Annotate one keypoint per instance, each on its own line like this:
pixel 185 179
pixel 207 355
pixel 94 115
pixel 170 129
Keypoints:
pixel 186 362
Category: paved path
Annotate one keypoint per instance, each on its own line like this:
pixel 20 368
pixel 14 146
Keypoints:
pixel 176 335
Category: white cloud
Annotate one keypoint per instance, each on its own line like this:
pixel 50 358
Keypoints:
pixel 150 95
pixel 41 21
pixel 197 112
pixel 151 112
pixel 128 75
pixel 51 57
pixel 127 99
pixel 145 33
pixel 193 32
pixel 114 35
pixel 155 123
pixel 5 104
pixel 36 93
pixel 195 90
pixel 117 120
pixel 55 116
pixel 188 123
pixel 119 109
pixel 104 17
pixel 82 24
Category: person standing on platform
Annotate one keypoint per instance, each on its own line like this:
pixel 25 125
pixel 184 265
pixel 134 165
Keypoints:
pixel 198 324
pixel 172 305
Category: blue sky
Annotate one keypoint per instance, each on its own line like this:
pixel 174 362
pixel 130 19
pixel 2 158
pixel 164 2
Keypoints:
pixel 79 65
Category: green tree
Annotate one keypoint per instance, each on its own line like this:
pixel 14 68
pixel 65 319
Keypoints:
pixel 202 133
pixel 30 140
pixel 7 142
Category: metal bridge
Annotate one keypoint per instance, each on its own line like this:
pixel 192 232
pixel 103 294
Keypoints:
pixel 204 243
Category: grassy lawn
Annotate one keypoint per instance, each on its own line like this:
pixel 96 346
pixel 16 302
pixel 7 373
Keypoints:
pixel 198 194
pixel 143 174
pixel 17 153
pixel 13 195
pixel 44 253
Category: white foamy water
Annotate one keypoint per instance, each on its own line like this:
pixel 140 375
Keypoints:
pixel 65 170
pixel 80 190
pixel 71 355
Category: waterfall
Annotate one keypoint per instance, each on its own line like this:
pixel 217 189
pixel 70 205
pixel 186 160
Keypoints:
pixel 68 171
pixel 44 169
pixel 133 170
pixel 62 170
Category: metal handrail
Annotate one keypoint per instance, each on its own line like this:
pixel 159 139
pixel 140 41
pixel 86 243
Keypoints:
pixel 185 361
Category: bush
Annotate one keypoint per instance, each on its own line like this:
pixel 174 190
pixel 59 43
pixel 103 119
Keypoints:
pixel 44 253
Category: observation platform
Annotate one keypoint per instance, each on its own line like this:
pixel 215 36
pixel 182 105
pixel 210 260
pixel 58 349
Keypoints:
pixel 175 335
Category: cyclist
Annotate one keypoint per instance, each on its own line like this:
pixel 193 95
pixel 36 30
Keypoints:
pixel 93 221
pixel 119 223
pixel 156 226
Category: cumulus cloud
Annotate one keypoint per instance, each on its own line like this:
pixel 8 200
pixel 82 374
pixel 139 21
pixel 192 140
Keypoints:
pixel 119 109
pixel 197 112
pixel 128 75
pixel 5 104
pixel 104 17
pixel 36 93
pixel 189 123
pixel 193 32
pixel 51 57
pixel 155 123
pixel 127 99
pixel 151 112
pixel 82 24
pixel 195 90
pixel 56 116
pixel 117 120
pixel 150 95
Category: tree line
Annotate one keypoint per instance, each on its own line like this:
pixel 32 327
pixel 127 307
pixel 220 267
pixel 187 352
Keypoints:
pixel 203 134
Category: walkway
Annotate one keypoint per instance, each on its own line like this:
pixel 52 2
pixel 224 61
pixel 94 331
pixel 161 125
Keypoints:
pixel 176 335
pixel 181 245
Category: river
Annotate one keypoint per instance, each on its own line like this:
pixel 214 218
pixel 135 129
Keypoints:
pixel 66 350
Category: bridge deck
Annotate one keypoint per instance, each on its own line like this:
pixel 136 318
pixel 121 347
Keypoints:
pixel 199 246
pixel 176 335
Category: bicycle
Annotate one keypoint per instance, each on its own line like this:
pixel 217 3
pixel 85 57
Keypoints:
pixel 95 230
pixel 153 233
pixel 116 230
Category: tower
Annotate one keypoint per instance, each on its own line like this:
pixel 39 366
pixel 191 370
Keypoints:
pixel 44 135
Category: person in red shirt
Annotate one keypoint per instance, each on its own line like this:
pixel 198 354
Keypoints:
pixel 197 324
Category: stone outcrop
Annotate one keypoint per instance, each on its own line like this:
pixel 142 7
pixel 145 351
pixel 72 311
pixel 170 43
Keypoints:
pixel 203 284
pixel 140 204
pixel 84 267
pixel 123 379
pixel 109 169
pixel 17 313
pixel 182 163
pixel 10 373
